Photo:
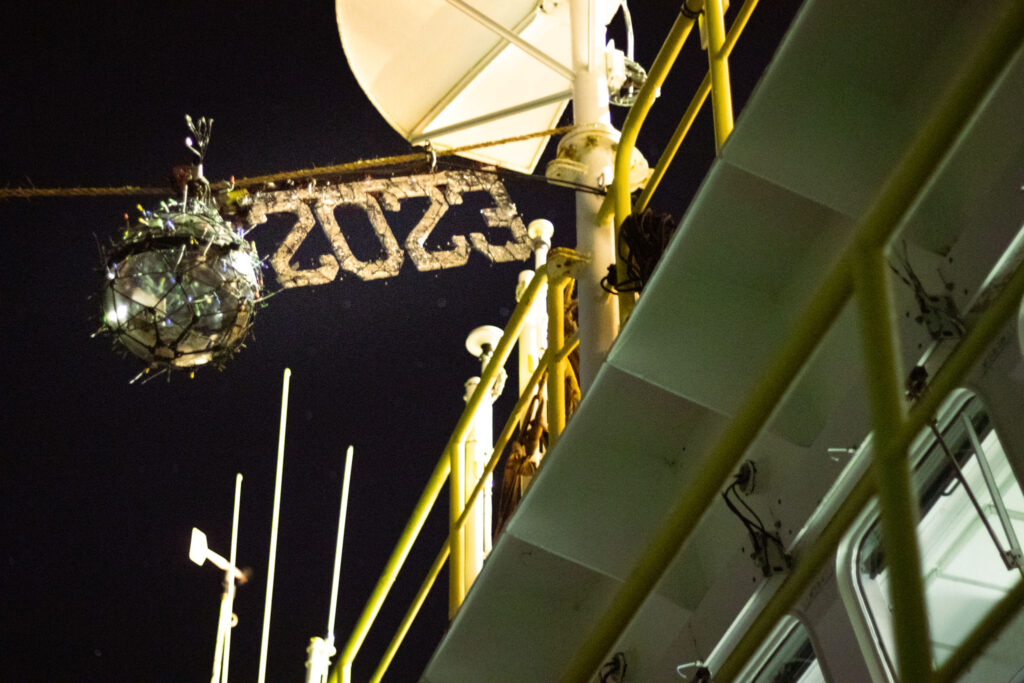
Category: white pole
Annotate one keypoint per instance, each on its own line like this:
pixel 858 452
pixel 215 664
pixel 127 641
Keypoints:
pixel 223 621
pixel 483 430
pixel 337 548
pixel 476 445
pixel 221 651
pixel 229 577
pixel 533 340
pixel 321 650
pixel 598 313
pixel 273 527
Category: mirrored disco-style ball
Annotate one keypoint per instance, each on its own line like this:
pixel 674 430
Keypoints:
pixel 181 286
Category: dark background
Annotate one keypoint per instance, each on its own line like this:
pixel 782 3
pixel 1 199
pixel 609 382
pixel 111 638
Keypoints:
pixel 100 480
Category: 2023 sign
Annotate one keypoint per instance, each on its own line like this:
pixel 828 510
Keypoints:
pixel 375 196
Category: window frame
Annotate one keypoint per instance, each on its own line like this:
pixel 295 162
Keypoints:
pixel 849 576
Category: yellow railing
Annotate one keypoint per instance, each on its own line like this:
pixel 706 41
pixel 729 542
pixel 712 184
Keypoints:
pixel 716 81
pixel 862 272
pixel 553 363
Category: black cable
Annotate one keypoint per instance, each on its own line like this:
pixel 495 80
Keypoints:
pixel 759 534
pixel 642 240
pixel 760 524
pixel 756 533
pixel 616 666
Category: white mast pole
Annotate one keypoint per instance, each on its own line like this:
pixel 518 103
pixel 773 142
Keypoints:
pixel 321 650
pixel 273 527
pixel 337 548
pixel 229 577
pixel 221 650
pixel 533 340
pixel 598 310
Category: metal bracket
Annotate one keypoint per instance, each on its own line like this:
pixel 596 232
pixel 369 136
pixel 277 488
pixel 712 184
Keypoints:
pixel 1013 556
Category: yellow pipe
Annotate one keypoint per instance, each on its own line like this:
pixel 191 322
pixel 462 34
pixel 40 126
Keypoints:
pixel 703 90
pixel 718 66
pixel 739 23
pixel 457 493
pixel 897 502
pixel 631 128
pixel 556 369
pixel 518 411
pixel 410 615
pixel 438 476
pixel 669 153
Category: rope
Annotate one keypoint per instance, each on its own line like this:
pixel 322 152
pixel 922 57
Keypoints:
pixel 124 191
pixel 336 169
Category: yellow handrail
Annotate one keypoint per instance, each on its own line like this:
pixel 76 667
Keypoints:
pixel 549 358
pixel 678 34
pixel 906 180
pixel 437 478
pixel 703 90
pixel 669 152
pixel 897 502
pixel 552 364
pixel 715 82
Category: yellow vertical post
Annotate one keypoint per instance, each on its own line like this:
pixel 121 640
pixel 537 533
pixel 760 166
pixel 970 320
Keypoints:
pixel 897 502
pixel 556 373
pixel 456 497
pixel 718 65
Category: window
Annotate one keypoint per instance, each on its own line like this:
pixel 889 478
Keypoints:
pixel 793 659
pixel 970 557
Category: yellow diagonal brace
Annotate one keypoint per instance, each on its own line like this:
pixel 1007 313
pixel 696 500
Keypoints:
pixel 897 501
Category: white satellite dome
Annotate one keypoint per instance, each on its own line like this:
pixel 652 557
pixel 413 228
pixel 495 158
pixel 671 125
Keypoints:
pixel 436 72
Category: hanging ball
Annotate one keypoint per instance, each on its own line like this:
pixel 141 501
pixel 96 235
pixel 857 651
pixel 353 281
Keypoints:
pixel 180 288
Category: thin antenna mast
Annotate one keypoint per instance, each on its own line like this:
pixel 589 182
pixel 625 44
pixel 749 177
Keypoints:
pixel 337 550
pixel 229 577
pixel 273 527
pixel 321 650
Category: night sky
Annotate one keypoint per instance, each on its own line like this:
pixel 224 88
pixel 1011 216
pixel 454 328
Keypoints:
pixel 101 481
